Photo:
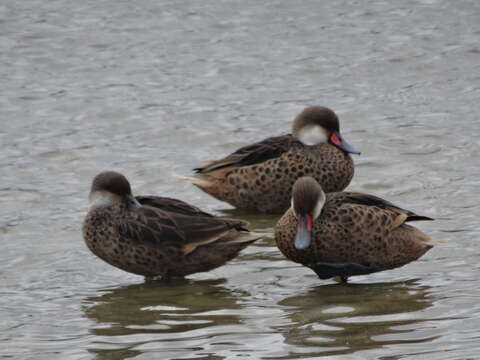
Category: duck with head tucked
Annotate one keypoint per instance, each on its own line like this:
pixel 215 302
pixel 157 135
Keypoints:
pixel 259 177
pixel 157 236
pixel 344 234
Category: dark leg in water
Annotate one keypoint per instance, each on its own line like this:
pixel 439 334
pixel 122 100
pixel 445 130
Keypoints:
pixel 165 277
pixel 341 271
pixel 341 279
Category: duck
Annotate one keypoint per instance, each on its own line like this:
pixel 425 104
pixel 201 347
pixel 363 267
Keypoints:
pixel 344 234
pixel 259 177
pixel 157 237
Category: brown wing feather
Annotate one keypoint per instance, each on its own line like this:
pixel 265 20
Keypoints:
pixel 155 227
pixel 172 205
pixel 371 200
pixel 201 228
pixel 151 226
pixel 256 153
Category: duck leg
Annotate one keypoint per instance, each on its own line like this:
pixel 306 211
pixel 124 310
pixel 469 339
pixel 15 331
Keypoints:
pixel 342 271
pixel 340 279
pixel 163 277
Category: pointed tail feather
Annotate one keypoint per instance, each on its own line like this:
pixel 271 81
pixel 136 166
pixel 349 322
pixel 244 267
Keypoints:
pixel 425 239
pixel 416 217
pixel 432 242
pixel 197 180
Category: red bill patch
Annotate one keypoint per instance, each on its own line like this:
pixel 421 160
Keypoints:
pixel 309 223
pixel 334 138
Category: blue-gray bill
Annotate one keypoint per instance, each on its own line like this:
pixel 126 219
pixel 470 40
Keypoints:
pixel 338 140
pixel 133 203
pixel 303 237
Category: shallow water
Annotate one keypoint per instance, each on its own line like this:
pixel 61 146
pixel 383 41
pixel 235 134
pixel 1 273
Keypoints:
pixel 152 88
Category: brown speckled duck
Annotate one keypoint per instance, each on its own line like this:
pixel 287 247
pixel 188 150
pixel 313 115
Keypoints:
pixel 156 236
pixel 344 234
pixel 259 177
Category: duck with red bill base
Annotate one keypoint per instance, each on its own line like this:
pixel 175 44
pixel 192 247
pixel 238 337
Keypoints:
pixel 337 140
pixel 304 232
pixel 258 177
pixel 346 234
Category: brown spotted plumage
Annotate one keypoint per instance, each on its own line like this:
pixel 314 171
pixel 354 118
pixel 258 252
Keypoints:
pixel 157 236
pixel 259 177
pixel 345 234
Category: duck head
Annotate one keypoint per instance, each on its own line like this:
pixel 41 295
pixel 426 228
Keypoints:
pixel 308 199
pixel 318 124
pixel 110 188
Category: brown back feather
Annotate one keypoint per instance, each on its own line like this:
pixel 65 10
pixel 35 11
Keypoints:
pixel 371 200
pixel 256 153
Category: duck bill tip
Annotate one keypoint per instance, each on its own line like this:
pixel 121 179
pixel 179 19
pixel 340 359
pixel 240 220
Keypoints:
pixel 303 237
pixel 337 140
pixel 133 202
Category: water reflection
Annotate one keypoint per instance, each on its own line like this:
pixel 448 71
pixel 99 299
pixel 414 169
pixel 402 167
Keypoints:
pixel 131 319
pixel 342 319
pixel 257 222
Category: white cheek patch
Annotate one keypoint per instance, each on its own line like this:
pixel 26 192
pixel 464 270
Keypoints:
pixel 312 135
pixel 319 206
pixel 102 198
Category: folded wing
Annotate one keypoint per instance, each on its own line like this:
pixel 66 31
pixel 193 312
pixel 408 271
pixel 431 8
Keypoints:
pixel 172 205
pixel 256 153
pixel 374 201
pixel 175 223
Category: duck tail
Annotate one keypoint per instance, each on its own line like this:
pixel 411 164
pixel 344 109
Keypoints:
pixel 198 179
pixel 432 242
pixel 423 238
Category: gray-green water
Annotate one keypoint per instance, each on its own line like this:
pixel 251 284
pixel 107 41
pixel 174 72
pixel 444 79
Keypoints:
pixel 151 88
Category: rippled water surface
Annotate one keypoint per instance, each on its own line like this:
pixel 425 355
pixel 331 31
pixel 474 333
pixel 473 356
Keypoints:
pixel 152 88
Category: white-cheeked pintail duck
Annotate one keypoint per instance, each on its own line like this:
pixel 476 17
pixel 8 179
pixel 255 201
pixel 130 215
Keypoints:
pixel 259 177
pixel 344 234
pixel 157 236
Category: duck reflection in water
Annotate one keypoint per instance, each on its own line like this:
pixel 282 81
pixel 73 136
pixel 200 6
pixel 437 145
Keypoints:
pixel 130 317
pixel 345 319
